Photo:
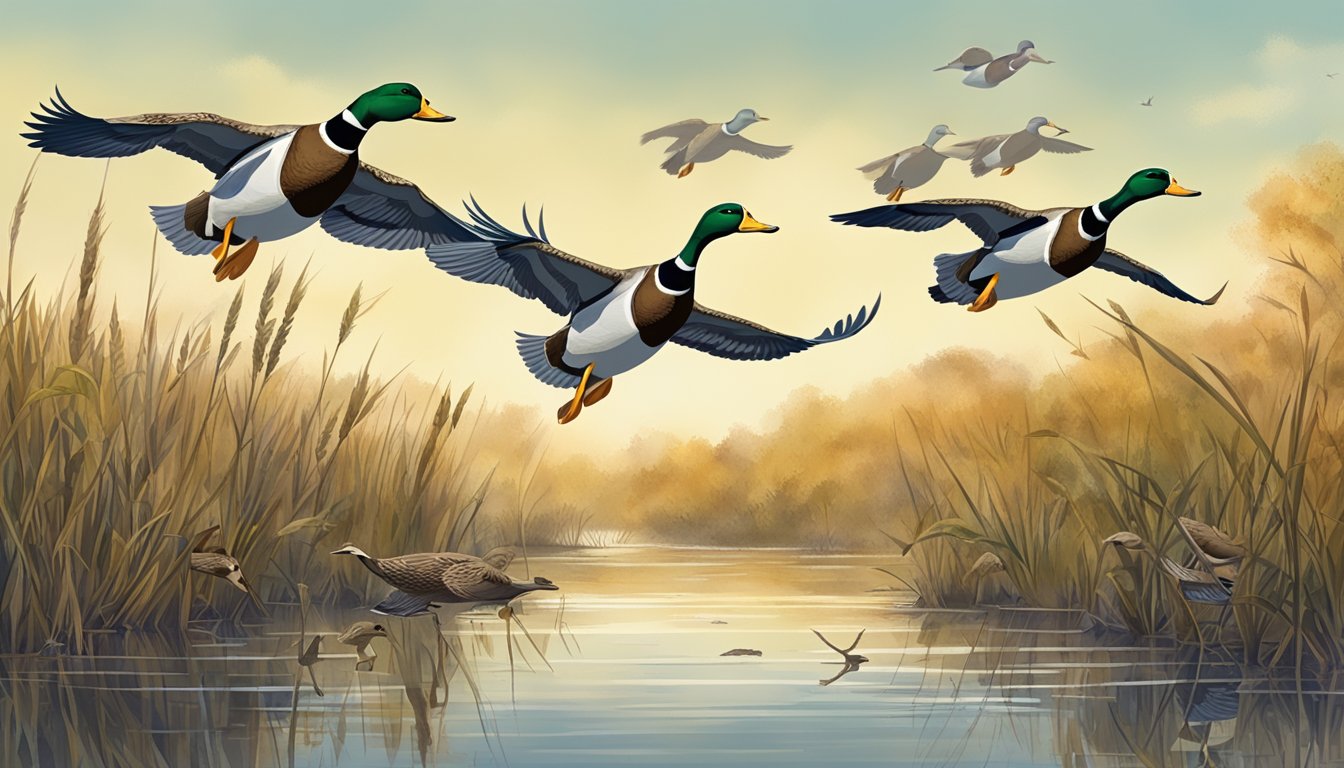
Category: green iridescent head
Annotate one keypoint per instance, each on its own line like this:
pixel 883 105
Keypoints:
pixel 720 221
pixel 393 102
pixel 1153 182
pixel 730 218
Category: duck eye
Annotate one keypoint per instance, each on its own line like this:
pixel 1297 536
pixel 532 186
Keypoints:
pixel 406 91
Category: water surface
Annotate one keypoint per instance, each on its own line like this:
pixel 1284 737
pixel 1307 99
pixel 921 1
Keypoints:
pixel 630 673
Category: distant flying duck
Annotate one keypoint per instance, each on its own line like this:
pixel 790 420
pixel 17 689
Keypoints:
pixel 1147 103
pixel 696 141
pixel 1005 151
pixel 895 174
pixel 984 71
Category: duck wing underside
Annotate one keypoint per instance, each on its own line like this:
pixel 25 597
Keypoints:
pixel 1059 146
pixel 987 219
pixel 527 264
pixel 1120 264
pixel 209 139
pixel 724 335
pixel 741 143
pixel 682 132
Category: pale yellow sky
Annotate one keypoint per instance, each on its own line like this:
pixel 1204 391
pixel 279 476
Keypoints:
pixel 565 135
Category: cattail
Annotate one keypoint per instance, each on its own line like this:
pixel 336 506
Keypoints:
pixel 322 440
pixel 355 404
pixel 349 316
pixel 230 322
pixel 88 267
pixel 430 447
pixel 287 320
pixel 116 343
pixel 19 208
pixel 184 353
pixel 461 405
pixel 264 323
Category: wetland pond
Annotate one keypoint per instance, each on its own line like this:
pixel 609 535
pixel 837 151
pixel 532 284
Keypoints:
pixel 633 675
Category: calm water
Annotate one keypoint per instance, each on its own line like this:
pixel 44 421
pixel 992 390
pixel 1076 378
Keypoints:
pixel 632 676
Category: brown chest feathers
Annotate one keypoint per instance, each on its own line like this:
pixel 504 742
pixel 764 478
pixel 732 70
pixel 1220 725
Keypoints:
pixel 314 175
pixel 1070 252
pixel 659 316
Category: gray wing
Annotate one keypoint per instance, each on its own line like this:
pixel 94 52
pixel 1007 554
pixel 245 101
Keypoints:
pixel 683 131
pixel 969 59
pixel 767 151
pixel 474 579
pixel 1120 264
pixel 724 335
pixel 988 219
pixel 1061 147
pixel 499 557
pixel 1212 541
pixel 207 138
pixel 419 573
pixel 972 148
pixel 380 210
pixel 528 264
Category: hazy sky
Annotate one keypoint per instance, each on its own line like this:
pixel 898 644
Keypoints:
pixel 552 97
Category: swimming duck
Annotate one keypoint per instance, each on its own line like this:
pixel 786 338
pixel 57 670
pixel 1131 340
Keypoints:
pixel 1028 251
pixel 1006 150
pixel 895 174
pixel 619 318
pixel 272 181
pixel 984 71
pixel 424 580
pixel 1198 583
pixel 360 635
pixel 696 141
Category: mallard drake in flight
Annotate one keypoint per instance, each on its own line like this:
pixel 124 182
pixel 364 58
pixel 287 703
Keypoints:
pixel 1006 150
pixel 1028 251
pixel 895 174
pixel 272 181
pixel 426 579
pixel 619 318
pixel 696 141
pixel 984 71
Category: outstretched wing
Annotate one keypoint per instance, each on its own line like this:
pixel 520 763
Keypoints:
pixel 973 148
pixel 207 138
pixel 1120 264
pixel 682 131
pixel 988 219
pixel 528 264
pixel 767 151
pixel 380 210
pixel 724 335
pixel 1061 147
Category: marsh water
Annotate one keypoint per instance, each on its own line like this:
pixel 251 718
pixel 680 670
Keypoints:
pixel 623 667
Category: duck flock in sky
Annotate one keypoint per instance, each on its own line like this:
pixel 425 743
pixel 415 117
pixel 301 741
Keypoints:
pixel 273 181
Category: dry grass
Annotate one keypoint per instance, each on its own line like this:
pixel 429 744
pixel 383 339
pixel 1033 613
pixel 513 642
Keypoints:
pixel 122 441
